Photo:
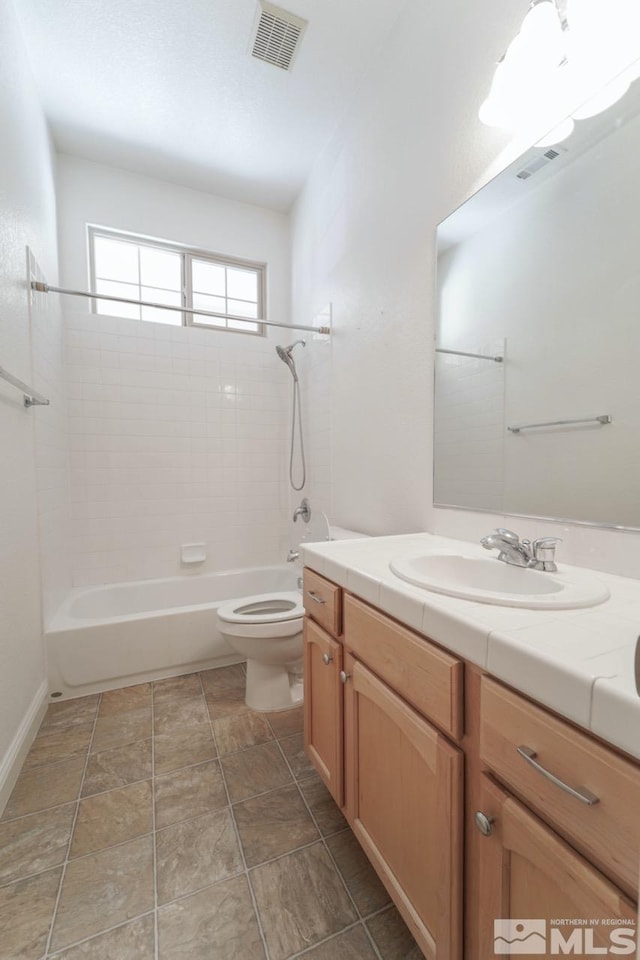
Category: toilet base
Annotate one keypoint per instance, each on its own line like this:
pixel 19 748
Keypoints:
pixel 270 688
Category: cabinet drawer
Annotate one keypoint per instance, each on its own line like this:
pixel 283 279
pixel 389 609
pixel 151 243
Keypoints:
pixel 421 673
pixel 607 830
pixel 323 601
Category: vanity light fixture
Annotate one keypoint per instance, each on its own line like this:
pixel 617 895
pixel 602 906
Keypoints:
pixel 564 63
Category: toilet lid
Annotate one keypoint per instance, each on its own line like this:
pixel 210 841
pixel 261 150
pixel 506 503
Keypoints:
pixel 263 608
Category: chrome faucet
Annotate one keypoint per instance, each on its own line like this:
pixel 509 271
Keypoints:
pixel 539 555
pixel 292 556
pixel 304 511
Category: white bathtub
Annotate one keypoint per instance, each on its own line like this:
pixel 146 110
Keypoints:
pixel 125 633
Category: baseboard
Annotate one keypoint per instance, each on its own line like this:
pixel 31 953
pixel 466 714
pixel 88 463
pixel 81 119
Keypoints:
pixel 13 759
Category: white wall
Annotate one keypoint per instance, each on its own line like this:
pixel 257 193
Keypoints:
pixel 27 216
pixel 177 434
pixel 409 151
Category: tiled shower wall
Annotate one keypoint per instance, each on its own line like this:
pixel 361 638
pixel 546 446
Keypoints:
pixel 177 436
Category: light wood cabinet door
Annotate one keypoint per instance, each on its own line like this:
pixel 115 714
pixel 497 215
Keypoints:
pixel 404 802
pixel 528 873
pixel 323 706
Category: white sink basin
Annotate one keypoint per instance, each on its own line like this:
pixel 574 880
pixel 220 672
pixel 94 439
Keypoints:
pixel 492 581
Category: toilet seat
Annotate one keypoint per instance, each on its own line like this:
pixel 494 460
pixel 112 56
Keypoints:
pixel 264 608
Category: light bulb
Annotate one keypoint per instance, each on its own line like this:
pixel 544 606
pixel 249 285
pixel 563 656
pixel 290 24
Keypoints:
pixel 604 99
pixel 541 37
pixel 558 134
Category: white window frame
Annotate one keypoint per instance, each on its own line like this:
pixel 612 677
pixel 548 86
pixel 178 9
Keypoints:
pixel 187 255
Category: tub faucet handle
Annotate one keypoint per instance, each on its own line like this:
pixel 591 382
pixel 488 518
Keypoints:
pixel 304 511
pixel 292 556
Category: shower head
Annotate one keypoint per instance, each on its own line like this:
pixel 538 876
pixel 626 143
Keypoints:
pixel 285 355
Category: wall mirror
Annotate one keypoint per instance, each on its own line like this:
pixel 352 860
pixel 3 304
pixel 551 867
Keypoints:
pixel 539 280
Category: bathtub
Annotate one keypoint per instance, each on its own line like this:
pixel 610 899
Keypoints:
pixel 125 633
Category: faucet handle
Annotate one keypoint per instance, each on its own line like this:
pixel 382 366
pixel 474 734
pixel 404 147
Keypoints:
pixel 544 552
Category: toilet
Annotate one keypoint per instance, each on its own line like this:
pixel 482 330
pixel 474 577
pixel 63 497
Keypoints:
pixel 267 630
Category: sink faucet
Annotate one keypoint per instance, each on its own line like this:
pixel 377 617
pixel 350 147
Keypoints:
pixel 539 555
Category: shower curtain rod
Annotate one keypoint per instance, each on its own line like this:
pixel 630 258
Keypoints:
pixel 46 288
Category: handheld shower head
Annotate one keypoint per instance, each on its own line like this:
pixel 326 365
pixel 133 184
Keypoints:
pixel 285 355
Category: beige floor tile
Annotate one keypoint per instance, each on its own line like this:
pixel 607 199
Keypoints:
pixel 121 728
pixel 103 890
pixel 26 909
pixel 195 853
pixel 133 941
pixel 316 902
pixel 323 807
pixel 35 843
pixel 181 748
pixel 352 945
pixel 178 716
pixel 273 824
pixel 113 817
pixel 224 689
pixel 175 688
pixel 364 886
pixel 125 699
pixel 55 743
pixel 286 722
pixel 39 788
pixel 117 767
pixel 238 733
pixel 392 937
pixel 293 749
pixel 217 922
pixel 70 713
pixel 189 793
pixel 255 771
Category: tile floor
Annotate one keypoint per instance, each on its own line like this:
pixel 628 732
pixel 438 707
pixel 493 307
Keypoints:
pixel 166 821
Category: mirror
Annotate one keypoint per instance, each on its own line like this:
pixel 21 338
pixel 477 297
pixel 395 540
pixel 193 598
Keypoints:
pixel 539 279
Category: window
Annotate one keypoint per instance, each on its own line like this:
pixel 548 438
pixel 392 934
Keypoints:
pixel 123 265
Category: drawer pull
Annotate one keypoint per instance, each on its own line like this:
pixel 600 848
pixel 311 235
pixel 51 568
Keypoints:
pixel 583 795
pixel 314 596
pixel 344 676
pixel 327 659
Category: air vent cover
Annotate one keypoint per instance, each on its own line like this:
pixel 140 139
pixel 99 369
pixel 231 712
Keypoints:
pixel 539 163
pixel 277 35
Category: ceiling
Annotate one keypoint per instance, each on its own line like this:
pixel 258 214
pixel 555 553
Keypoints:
pixel 170 89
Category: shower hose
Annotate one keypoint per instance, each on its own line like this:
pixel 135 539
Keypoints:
pixel 297 411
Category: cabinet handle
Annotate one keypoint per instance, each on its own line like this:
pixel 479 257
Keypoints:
pixel 327 659
pixel 581 794
pixel 484 823
pixel 314 596
pixel 344 676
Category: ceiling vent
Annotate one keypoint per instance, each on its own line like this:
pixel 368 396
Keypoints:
pixel 539 163
pixel 277 35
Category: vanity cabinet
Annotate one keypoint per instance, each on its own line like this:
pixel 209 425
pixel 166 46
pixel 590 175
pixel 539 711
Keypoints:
pixel 324 706
pixel 437 768
pixel 373 697
pixel 528 873
pixel 404 803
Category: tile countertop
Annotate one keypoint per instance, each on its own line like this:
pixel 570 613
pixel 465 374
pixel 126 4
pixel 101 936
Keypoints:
pixel 579 663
